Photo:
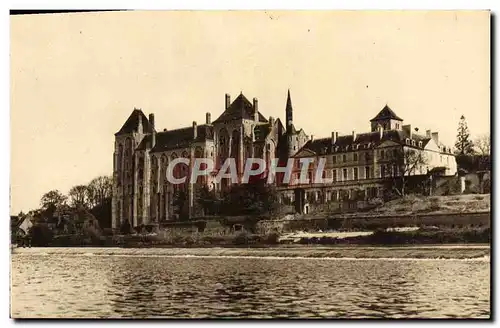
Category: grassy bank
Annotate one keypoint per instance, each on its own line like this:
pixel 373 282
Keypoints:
pixel 420 236
pixel 412 204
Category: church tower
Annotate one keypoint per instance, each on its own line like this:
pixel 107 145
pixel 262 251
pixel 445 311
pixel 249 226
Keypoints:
pixel 125 167
pixel 291 132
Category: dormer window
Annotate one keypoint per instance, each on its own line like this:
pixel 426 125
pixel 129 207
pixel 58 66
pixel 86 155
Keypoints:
pixel 413 142
pixel 407 141
pixel 420 144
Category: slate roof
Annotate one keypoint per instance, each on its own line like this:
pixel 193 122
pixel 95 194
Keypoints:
pixel 241 108
pixel 179 138
pixel 386 114
pixel 133 122
pixel 371 139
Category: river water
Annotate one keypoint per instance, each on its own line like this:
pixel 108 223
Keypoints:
pixel 92 285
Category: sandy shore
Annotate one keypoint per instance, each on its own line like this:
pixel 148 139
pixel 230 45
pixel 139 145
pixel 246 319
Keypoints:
pixel 360 252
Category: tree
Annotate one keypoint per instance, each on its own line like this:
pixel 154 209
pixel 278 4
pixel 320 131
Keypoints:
pixel 405 162
pixel 463 145
pixel 483 144
pixel 250 199
pixel 78 196
pixel 180 200
pixel 99 189
pixel 206 200
pixel 52 201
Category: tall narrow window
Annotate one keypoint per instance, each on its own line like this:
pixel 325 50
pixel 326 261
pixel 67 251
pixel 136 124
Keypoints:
pixel 334 175
pixel 344 177
pixel 382 154
pixel 382 171
pixel 355 173
pixel 355 157
pixel 344 158
pixel 367 172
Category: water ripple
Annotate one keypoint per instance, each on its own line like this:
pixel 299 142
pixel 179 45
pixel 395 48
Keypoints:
pixel 64 286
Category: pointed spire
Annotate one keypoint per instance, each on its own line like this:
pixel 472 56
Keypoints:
pixel 289 112
pixel 289 101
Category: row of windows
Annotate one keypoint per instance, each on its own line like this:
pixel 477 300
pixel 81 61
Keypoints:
pixel 346 174
pixel 383 154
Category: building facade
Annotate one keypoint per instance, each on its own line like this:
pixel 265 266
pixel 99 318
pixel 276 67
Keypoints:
pixel 356 164
pixel 360 165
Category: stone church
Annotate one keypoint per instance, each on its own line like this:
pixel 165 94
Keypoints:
pixel 141 193
pixel 356 163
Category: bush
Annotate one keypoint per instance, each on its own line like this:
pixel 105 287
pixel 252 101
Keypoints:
pixel 241 239
pixel 125 227
pixel 93 234
pixel 41 235
pixel 107 232
pixel 272 239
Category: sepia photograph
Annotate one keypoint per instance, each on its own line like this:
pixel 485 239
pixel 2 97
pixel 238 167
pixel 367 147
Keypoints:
pixel 250 164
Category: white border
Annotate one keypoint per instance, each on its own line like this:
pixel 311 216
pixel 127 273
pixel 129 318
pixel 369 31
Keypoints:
pixel 189 5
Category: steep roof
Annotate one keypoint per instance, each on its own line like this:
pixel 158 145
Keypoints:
pixel 179 138
pixel 371 139
pixel 241 108
pixel 288 107
pixel 386 114
pixel 132 123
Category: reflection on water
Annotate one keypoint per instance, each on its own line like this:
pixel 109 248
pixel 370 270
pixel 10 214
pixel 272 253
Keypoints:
pixel 144 287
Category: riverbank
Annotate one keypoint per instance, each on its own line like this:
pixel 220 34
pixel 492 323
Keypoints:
pixel 416 236
pixel 321 252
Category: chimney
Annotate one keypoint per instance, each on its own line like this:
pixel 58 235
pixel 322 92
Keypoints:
pixel 271 121
pixel 407 128
pixel 139 125
pixel 208 118
pixel 255 109
pixel 164 130
pixel 334 137
pixel 428 133
pixel 312 137
pixel 152 119
pixel 228 100
pixel 353 135
pixel 435 137
pixel 195 130
pixel 153 133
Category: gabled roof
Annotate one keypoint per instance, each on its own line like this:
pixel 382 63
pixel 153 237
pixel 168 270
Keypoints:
pixel 386 114
pixel 132 123
pixel 179 138
pixel 241 108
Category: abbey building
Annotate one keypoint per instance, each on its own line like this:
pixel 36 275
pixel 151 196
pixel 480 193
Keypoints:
pixel 356 164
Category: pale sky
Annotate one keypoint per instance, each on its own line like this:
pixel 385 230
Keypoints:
pixel 75 78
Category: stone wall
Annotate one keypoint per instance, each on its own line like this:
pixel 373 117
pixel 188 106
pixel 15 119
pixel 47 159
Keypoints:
pixel 459 220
